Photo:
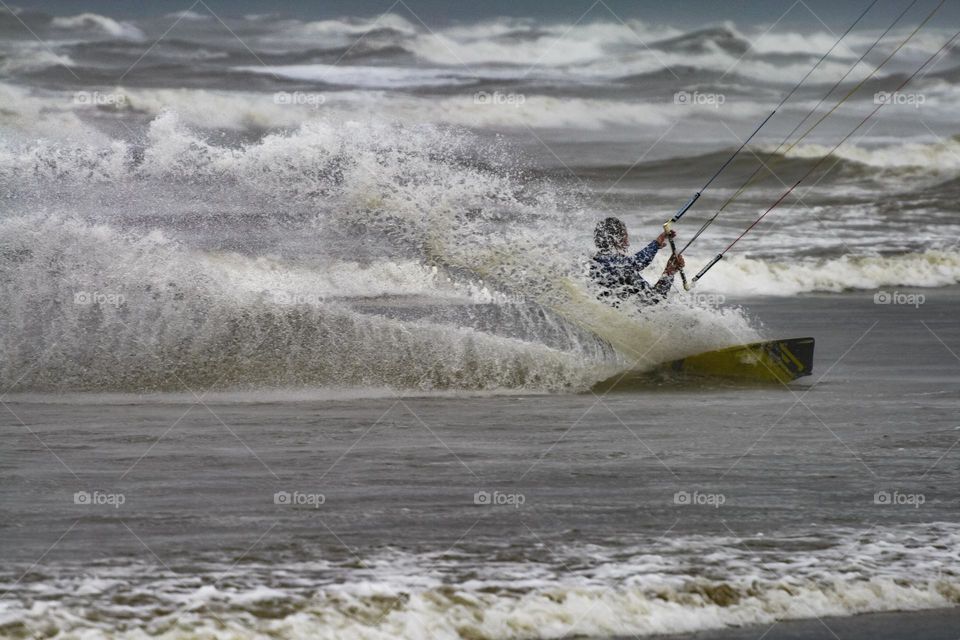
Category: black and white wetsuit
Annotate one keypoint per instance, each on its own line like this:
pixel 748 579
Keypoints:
pixel 619 276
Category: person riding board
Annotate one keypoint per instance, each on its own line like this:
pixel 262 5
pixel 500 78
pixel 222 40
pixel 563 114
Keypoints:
pixel 618 274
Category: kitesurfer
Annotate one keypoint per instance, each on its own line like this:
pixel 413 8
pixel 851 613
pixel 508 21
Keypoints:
pixel 618 273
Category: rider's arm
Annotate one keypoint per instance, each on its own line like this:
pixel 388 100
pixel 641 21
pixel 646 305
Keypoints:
pixel 646 255
pixel 663 285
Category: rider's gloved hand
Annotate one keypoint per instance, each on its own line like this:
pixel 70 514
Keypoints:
pixel 662 238
pixel 674 264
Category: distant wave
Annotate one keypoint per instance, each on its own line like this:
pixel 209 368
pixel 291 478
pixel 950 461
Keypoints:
pixel 595 48
pixel 706 41
pixel 385 23
pixel 189 15
pixel 914 164
pixel 32 61
pixel 173 48
pixel 374 77
pixel 741 275
pixel 941 158
pixel 474 105
pixel 87 21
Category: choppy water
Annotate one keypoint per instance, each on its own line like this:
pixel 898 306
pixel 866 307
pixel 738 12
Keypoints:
pixel 670 509
pixel 362 242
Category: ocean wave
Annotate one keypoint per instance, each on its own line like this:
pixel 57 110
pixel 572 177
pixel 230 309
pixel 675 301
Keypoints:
pixel 594 49
pixel 936 158
pixel 551 612
pixel 742 275
pixel 515 40
pixel 914 164
pixel 684 585
pixel 94 21
pixel 708 40
pixel 26 116
pixel 189 15
pixel 603 48
pixel 374 77
pixel 353 27
pixel 476 107
pixel 30 58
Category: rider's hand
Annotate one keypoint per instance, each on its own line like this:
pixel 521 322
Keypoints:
pixel 662 238
pixel 673 264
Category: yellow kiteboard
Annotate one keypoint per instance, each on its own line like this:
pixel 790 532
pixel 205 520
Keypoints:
pixel 776 361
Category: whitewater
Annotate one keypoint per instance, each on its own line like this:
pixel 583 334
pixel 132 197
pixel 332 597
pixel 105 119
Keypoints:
pixel 439 224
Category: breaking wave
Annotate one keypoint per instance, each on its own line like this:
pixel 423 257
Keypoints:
pixel 740 275
pixel 97 22
pixel 657 588
pixel 937 158
pixel 598 47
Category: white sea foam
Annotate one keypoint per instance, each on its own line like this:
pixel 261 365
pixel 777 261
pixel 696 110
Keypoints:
pixel 29 117
pixel 658 588
pixel 348 280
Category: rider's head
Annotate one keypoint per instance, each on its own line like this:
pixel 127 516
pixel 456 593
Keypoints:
pixel 610 236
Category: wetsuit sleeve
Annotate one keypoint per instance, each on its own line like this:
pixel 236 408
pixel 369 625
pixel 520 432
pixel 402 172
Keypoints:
pixel 646 255
pixel 663 285
pixel 653 294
